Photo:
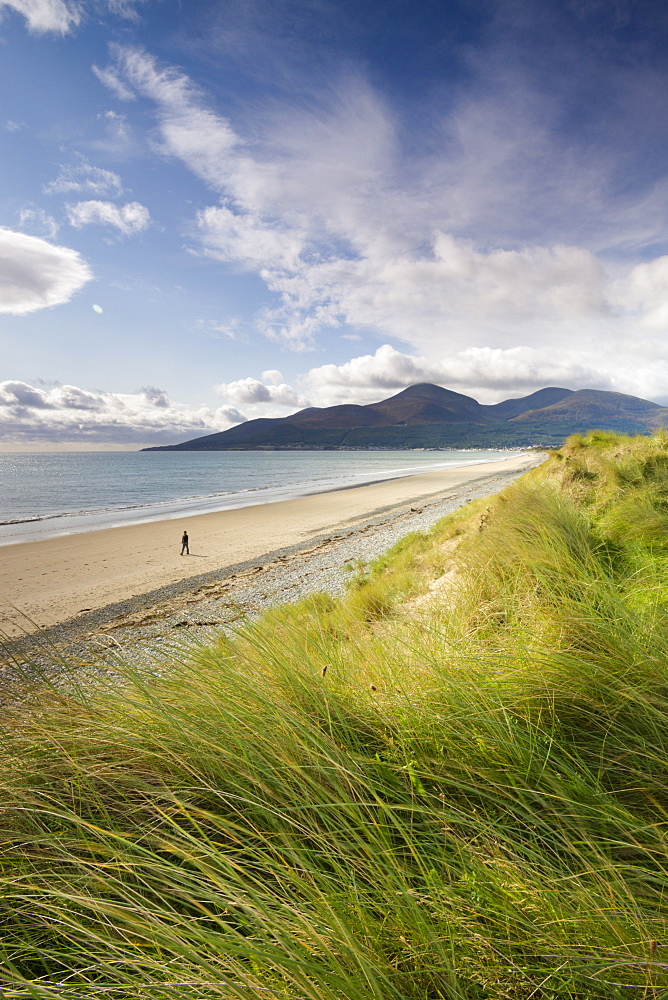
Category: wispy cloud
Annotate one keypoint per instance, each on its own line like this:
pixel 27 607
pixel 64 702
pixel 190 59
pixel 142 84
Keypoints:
pixel 83 177
pixel 118 139
pixel 126 8
pixel 61 17
pixel 189 129
pixel 489 233
pixel 130 218
pixel 37 222
pixel 47 15
pixel 110 77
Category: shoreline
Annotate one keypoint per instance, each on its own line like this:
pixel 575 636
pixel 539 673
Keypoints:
pixel 47 526
pixel 74 581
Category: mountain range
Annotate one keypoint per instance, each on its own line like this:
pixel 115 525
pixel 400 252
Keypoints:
pixel 429 416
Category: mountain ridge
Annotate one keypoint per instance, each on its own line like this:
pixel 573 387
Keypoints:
pixel 427 415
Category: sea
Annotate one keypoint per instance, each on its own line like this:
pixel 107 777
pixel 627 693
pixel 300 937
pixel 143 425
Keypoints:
pixel 59 493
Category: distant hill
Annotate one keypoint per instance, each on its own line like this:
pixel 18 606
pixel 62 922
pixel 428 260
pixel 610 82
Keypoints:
pixel 592 405
pixel 429 416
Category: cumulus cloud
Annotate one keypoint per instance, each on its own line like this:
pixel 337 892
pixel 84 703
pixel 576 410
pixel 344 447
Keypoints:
pixel 129 218
pixel 20 394
pixel 228 416
pixel 82 178
pixel 47 15
pixel 69 397
pixel 489 374
pixel 67 413
pixel 35 274
pixel 251 391
pixel 371 374
pixel 155 397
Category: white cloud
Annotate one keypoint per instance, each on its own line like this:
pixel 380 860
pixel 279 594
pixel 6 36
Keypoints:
pixel 487 374
pixel 502 372
pixel 125 8
pixel 117 139
pixel 322 209
pixel 248 239
pixel 155 397
pixel 189 129
pixel 20 394
pixel 35 274
pixel 129 218
pixel 231 329
pixel 253 392
pixel 482 235
pixel 37 222
pixel 97 309
pixel 67 413
pixel 642 293
pixel 62 16
pixel 273 376
pixel 85 178
pixel 69 397
pixel 47 15
pixel 111 79
pixel 228 416
pixel 371 374
pixel 448 293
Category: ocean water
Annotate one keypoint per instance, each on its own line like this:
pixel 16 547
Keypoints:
pixel 43 495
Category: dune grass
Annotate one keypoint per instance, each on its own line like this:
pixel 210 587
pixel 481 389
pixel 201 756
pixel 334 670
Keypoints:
pixel 452 783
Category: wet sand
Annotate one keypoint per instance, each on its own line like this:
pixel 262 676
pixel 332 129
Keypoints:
pixel 44 583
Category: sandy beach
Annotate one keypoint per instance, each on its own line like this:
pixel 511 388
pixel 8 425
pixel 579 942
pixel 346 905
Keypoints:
pixel 48 582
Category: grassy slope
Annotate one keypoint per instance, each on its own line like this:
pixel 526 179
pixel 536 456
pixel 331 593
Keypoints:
pixel 412 793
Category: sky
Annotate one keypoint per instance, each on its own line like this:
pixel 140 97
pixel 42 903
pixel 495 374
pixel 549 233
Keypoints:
pixel 216 210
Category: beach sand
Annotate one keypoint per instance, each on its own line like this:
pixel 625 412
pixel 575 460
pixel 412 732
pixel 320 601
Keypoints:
pixel 44 583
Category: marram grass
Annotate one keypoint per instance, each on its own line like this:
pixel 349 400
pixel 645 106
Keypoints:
pixel 453 783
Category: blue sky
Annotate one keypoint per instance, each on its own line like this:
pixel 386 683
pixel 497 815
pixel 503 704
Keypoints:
pixel 213 210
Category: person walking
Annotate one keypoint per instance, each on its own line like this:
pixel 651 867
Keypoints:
pixel 184 544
